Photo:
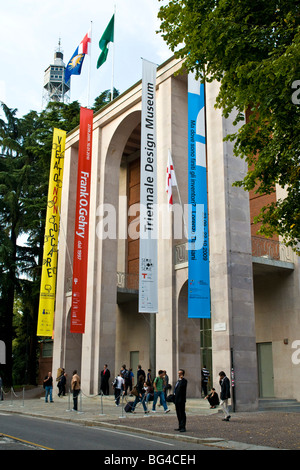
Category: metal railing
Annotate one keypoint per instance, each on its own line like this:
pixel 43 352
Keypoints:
pixel 128 281
pixel 261 247
pixel 271 249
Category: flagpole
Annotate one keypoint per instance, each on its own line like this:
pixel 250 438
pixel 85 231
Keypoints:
pixel 180 202
pixel 113 61
pixel 89 74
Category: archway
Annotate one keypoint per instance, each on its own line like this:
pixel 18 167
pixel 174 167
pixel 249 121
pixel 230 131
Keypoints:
pixel 188 344
pixel 120 148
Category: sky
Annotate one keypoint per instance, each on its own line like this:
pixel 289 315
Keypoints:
pixel 30 31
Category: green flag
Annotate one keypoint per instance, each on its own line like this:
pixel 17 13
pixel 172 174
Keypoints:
pixel 107 37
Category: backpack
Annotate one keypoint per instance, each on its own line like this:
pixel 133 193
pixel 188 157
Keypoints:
pixel 115 382
pixel 128 407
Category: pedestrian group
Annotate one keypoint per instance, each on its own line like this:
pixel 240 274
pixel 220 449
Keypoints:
pixel 145 390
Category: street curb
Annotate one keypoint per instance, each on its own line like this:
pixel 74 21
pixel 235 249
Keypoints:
pixel 209 442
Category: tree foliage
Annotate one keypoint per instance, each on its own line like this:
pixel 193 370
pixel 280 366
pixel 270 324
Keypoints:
pixel 25 154
pixel 104 98
pixel 252 47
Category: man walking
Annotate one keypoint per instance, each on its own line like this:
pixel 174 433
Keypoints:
pixel 225 394
pixel 180 399
pixel 158 385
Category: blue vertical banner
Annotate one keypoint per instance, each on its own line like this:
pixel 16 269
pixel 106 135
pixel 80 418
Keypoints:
pixel 198 248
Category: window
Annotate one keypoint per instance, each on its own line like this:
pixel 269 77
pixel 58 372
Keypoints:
pixel 47 349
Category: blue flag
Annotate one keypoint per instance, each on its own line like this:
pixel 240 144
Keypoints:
pixel 75 63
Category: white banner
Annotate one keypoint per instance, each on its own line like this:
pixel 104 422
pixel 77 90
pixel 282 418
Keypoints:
pixel 148 291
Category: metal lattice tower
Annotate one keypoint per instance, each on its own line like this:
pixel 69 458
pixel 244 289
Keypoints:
pixel 55 88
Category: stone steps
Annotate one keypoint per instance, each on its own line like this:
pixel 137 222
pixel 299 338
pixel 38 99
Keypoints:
pixel 279 404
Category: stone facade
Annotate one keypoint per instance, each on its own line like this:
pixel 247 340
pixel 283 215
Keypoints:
pixel 242 301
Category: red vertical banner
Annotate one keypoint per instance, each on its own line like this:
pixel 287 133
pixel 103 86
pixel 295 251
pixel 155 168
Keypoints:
pixel 80 259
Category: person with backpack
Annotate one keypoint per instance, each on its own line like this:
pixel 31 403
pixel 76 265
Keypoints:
pixel 127 379
pixel 158 385
pixel 118 386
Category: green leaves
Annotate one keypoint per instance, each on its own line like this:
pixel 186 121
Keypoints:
pixel 252 47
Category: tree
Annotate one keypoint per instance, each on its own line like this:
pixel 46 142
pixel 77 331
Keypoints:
pixel 25 153
pixel 11 174
pixel 103 99
pixel 37 131
pixel 252 47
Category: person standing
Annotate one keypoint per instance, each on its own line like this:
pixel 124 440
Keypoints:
pixel 75 387
pixel 62 385
pixel 149 378
pixel 140 372
pixel 48 385
pixel 204 379
pixel 180 400
pixel 125 373
pixel 167 386
pixel 158 385
pixel 105 376
pixel 224 394
pixel 119 387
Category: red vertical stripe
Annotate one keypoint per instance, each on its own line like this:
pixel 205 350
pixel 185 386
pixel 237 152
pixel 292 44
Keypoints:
pixel 80 259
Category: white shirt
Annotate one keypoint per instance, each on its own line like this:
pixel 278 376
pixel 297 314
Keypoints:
pixel 120 382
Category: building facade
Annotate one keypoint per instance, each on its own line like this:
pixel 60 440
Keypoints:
pixel 255 308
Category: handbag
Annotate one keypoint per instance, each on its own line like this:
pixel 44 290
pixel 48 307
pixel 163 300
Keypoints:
pixel 134 391
pixel 171 398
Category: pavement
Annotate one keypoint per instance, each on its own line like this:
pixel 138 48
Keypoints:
pixel 260 430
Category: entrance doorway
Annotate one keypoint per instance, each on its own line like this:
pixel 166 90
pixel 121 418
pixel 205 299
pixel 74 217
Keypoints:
pixel 265 370
pixel 134 361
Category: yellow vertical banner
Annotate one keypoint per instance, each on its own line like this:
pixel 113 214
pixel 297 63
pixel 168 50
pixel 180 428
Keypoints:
pixel 49 268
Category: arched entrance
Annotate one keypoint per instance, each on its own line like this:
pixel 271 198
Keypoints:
pixel 188 344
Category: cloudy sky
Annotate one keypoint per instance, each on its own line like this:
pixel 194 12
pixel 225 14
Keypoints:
pixel 29 34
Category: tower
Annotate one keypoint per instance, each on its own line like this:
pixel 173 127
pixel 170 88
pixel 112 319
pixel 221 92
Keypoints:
pixel 55 88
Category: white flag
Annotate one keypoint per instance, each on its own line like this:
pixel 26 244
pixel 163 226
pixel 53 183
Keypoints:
pixel 170 179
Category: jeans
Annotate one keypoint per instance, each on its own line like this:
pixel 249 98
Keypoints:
pixel 162 400
pixel 75 399
pixel 48 392
pixel 137 399
pixel 149 397
pixel 117 395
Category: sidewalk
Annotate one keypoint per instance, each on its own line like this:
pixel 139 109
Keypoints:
pixel 245 431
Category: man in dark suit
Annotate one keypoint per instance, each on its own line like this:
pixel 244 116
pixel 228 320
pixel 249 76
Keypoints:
pixel 180 399
pixel 105 375
pixel 225 394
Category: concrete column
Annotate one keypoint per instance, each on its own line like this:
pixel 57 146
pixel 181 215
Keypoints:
pixel 232 298
pixel 164 318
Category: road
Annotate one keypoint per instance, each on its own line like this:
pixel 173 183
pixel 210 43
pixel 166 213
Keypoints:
pixel 40 433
